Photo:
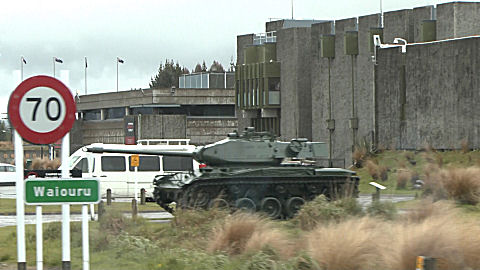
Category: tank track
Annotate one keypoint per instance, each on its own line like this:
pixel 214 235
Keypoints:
pixel 276 196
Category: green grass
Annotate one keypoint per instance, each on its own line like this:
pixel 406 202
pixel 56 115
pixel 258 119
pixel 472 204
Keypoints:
pixel 395 160
pixel 7 207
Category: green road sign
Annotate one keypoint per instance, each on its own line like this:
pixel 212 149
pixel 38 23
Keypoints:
pixel 61 190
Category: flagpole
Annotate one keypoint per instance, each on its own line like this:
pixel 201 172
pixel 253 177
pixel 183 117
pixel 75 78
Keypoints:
pixel 117 74
pixel 21 68
pixel 54 66
pixel 85 75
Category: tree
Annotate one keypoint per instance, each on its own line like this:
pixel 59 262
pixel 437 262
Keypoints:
pixel 216 67
pixel 4 131
pixel 198 68
pixel 167 75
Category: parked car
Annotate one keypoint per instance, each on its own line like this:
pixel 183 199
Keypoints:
pixel 7 174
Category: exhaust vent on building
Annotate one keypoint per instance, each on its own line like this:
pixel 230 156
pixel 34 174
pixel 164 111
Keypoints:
pixel 351 43
pixel 428 30
pixel 327 46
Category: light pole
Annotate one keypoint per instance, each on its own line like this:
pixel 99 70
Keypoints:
pixel 22 62
pixel 58 60
pixel 86 65
pixel 121 62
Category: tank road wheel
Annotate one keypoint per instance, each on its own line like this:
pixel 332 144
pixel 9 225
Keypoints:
pixel 272 207
pixel 245 204
pixel 293 205
pixel 219 203
pixel 201 199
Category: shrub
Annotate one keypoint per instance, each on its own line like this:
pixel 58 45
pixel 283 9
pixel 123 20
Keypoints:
pixel 320 210
pixel 385 210
pixel 113 221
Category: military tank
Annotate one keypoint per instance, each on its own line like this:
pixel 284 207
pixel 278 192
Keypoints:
pixel 252 171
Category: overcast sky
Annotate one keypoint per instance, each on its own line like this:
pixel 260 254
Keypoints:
pixel 143 33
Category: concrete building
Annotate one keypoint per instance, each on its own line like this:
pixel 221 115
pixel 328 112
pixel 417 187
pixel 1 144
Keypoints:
pixel 331 90
pixel 203 115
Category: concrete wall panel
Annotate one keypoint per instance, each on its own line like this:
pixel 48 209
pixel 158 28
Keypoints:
pixel 442 82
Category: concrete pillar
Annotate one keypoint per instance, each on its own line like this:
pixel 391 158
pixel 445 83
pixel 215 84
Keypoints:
pixel 103 114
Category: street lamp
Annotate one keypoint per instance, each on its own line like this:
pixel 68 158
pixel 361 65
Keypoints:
pixel 121 62
pixel 58 60
pixel 22 62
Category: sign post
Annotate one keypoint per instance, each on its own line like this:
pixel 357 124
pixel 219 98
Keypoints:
pixel 135 162
pixel 42 110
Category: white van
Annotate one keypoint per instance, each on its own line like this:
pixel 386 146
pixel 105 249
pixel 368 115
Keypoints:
pixel 115 173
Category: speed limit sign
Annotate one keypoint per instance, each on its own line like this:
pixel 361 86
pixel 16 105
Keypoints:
pixel 41 109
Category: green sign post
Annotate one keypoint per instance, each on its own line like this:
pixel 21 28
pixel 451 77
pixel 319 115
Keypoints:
pixel 61 191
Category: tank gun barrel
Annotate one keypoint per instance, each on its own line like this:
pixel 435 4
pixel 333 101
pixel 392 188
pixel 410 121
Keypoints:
pixel 105 149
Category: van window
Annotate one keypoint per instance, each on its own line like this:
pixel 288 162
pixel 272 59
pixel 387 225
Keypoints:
pixel 7 168
pixel 82 165
pixel 177 163
pixel 113 164
pixel 147 163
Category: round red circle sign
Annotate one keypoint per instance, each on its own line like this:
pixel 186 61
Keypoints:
pixel 41 109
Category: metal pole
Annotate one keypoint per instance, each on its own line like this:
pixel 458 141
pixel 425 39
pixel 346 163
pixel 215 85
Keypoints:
pixel 136 184
pixel 85 75
pixel 54 67
pixel 292 9
pixel 85 247
pixel 117 74
pixel 21 68
pixel 330 130
pixel 39 238
pixel 65 207
pixel 21 253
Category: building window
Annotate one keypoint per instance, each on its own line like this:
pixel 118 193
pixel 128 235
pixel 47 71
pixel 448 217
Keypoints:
pixel 92 115
pixel 115 113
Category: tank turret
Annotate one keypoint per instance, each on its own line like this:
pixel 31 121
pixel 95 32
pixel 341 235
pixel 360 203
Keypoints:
pixel 249 148
pixel 249 171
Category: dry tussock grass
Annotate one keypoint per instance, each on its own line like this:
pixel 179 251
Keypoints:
pixel 376 171
pixel 403 177
pixel 460 184
pixel 359 155
pixel 45 164
pixel 427 208
pixel 372 168
pixel 244 233
pixel 441 234
pixel 350 245
pixel 433 229
pixel 464 146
